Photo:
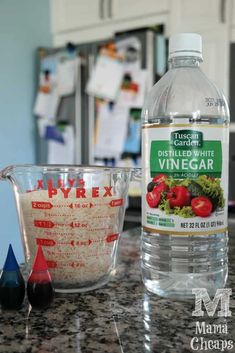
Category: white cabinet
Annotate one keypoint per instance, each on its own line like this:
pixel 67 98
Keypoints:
pixel 189 15
pixel 193 13
pixel 82 21
pixel 216 57
pixel 124 9
pixel 68 15
pixel 211 19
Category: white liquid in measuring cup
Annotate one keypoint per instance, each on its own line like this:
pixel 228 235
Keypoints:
pixel 78 234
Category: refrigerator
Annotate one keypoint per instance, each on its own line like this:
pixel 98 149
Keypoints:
pixel 79 109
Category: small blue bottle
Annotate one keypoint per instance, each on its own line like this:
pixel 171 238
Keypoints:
pixel 12 285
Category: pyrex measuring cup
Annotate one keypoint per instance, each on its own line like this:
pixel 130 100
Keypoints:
pixel 76 213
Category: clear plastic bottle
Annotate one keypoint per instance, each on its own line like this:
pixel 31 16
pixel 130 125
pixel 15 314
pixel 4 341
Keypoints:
pixel 185 177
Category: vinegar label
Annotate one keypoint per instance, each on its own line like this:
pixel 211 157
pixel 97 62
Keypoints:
pixel 185 178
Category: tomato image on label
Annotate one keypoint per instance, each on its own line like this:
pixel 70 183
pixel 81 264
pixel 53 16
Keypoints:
pixel 155 189
pixel 161 187
pixel 159 178
pixel 153 198
pixel 179 196
pixel 202 206
pixel 157 181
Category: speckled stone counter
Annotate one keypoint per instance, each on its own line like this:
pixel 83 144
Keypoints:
pixel 119 318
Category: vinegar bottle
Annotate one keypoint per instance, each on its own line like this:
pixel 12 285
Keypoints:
pixel 185 130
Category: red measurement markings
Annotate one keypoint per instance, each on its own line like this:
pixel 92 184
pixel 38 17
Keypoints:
pixel 43 224
pixel 60 206
pixel 50 242
pixel 80 205
pixel 78 225
pixel 98 240
pixel 99 204
pixel 45 242
pixel 62 224
pixel 51 264
pixel 40 205
pixel 104 217
pixel 74 264
pixel 49 224
pixel 81 242
pixel 99 229
pixel 115 203
pixel 112 237
pixel 108 239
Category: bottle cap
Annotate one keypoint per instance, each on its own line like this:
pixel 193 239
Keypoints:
pixel 40 262
pixel 10 264
pixel 185 44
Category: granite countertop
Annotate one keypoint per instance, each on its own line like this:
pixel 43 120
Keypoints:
pixel 121 317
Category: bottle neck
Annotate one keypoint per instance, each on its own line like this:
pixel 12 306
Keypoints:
pixel 184 61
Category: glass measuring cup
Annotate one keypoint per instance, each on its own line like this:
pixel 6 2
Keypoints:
pixel 76 214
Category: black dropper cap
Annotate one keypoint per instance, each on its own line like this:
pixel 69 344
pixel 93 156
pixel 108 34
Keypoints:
pixel 12 286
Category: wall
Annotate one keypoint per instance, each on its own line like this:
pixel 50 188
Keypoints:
pixel 24 25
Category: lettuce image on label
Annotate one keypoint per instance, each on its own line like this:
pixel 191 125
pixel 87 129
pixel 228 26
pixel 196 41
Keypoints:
pixel 185 197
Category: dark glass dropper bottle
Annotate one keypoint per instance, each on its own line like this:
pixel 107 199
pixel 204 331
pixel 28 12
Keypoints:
pixel 39 287
pixel 12 285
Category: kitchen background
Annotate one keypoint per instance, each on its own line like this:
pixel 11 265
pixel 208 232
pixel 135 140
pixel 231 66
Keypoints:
pixel 69 67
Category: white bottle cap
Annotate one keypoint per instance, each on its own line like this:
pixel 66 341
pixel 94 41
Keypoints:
pixel 185 44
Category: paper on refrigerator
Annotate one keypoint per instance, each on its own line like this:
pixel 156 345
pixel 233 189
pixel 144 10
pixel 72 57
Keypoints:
pixel 130 49
pixel 62 153
pixel 46 104
pixel 47 100
pixel 134 98
pixel 66 76
pixel 106 78
pixel 111 131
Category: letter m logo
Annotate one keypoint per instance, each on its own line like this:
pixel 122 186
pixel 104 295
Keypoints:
pixel 222 295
